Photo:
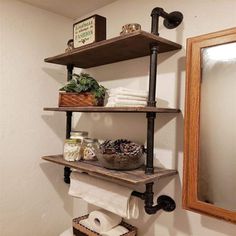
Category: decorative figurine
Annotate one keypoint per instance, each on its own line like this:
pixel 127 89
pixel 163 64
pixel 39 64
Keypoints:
pixel 129 28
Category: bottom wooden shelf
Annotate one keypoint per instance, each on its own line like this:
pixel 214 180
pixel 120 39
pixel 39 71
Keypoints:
pixel 134 177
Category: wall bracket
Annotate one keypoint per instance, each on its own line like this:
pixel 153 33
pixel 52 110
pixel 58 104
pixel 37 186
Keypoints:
pixel 164 202
pixel 171 20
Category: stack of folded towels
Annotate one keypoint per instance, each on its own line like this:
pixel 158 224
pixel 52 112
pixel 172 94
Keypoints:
pixel 124 97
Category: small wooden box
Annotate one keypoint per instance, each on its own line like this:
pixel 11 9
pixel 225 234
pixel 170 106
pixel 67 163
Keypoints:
pixel 80 230
pixel 89 30
pixel 78 100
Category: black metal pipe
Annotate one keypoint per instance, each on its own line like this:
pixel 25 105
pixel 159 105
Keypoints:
pixel 151 116
pixel 67 170
pixel 148 202
pixel 138 194
pixel 163 202
pixel 152 76
pixel 69 72
pixel 171 20
pixel 149 169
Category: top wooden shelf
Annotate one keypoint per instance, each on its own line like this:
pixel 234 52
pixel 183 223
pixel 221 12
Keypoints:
pixel 120 48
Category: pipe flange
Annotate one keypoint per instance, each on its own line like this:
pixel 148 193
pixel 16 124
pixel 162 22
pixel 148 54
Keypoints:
pixel 174 19
pixel 167 203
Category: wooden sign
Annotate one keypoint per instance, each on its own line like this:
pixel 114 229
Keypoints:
pixel 89 30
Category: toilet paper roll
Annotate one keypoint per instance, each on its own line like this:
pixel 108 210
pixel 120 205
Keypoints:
pixel 102 220
pixel 85 223
pixel 117 231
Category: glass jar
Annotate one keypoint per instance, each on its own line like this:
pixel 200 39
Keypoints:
pixel 79 137
pixel 90 147
pixel 71 150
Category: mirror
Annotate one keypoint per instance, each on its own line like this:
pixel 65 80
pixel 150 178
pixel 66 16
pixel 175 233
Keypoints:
pixel 210 125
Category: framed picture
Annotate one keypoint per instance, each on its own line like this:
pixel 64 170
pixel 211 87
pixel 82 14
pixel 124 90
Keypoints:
pixel 89 30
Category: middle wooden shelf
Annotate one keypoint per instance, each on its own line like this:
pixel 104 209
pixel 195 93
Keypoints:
pixel 114 109
pixel 134 177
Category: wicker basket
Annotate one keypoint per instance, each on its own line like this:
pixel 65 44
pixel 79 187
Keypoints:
pixel 80 230
pixel 78 100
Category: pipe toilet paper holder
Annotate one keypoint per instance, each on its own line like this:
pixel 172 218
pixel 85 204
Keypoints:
pixel 164 202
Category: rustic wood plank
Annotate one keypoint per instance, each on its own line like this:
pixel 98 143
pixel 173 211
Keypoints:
pixel 120 48
pixel 114 109
pixel 134 177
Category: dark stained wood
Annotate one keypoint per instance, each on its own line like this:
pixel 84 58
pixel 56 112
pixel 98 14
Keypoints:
pixel 134 177
pixel 114 109
pixel 192 124
pixel 120 48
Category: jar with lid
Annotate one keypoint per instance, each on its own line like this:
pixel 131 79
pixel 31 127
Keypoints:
pixel 79 137
pixel 71 150
pixel 90 147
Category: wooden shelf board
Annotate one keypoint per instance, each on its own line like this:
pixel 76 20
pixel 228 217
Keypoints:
pixel 134 177
pixel 120 48
pixel 114 109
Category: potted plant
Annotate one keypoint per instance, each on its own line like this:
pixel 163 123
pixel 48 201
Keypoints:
pixel 82 90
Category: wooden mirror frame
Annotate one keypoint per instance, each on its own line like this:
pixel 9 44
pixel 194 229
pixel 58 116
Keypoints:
pixel 192 123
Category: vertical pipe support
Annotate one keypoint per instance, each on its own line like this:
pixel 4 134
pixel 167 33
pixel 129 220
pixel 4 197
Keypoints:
pixel 151 115
pixel 67 170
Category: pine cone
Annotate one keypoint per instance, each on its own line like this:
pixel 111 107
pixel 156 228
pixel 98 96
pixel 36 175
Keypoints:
pixel 131 149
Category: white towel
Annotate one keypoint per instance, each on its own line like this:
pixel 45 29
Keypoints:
pixel 130 97
pixel 131 101
pixel 116 102
pixel 107 195
pixel 126 91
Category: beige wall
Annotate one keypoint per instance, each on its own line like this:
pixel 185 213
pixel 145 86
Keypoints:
pixel 199 17
pixel 33 198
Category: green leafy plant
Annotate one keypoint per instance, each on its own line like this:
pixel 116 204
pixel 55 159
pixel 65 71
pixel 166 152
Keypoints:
pixel 84 83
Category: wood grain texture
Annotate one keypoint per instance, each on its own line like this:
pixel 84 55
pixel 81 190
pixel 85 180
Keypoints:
pixel 120 48
pixel 192 123
pixel 113 109
pixel 134 177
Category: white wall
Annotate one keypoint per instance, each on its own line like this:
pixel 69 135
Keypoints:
pixel 33 198
pixel 200 17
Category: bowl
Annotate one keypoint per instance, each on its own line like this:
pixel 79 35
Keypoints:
pixel 110 159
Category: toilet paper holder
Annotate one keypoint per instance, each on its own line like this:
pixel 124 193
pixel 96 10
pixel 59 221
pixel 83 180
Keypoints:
pixel 164 202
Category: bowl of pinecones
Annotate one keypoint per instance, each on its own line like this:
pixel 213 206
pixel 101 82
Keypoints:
pixel 121 154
